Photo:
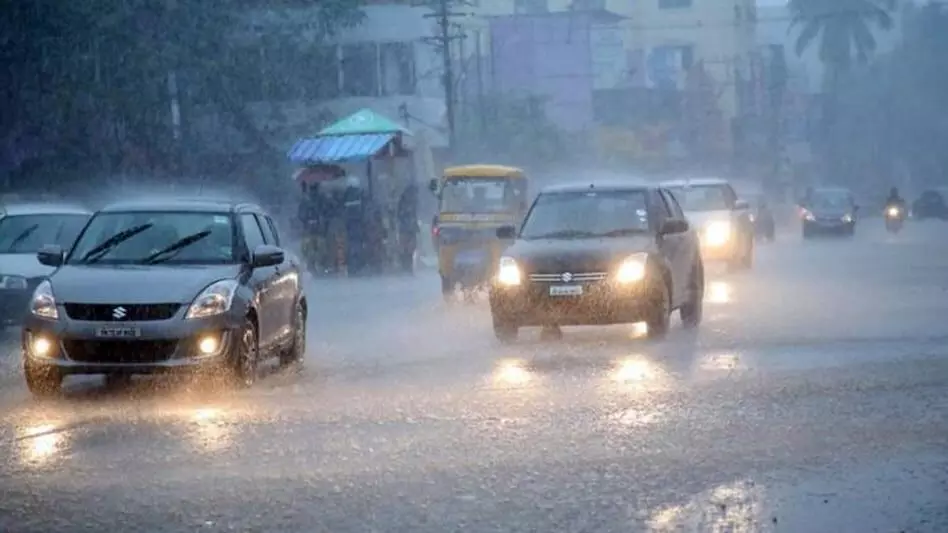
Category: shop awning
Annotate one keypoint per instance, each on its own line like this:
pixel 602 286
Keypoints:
pixel 334 149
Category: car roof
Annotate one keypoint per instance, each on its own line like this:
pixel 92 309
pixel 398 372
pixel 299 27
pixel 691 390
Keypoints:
pixel 203 205
pixel 695 182
pixel 42 208
pixel 482 171
pixel 586 186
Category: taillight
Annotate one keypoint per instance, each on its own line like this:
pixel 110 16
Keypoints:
pixel 435 231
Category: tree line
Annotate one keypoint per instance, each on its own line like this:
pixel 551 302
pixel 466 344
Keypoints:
pixel 884 118
pixel 90 84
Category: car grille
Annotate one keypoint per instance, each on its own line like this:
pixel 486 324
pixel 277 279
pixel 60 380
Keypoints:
pixel 119 351
pixel 106 312
pixel 585 277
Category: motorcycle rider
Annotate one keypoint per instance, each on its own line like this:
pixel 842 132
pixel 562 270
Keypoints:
pixel 894 200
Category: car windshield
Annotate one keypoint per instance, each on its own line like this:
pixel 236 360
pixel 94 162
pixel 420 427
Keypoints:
pixel 702 198
pixel 26 234
pixel 586 214
pixel 157 237
pixel 831 200
pixel 478 195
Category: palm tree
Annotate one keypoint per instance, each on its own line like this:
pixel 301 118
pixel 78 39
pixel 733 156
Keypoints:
pixel 844 29
pixel 843 26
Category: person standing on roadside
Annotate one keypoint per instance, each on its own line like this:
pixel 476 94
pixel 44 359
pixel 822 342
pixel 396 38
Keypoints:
pixel 407 219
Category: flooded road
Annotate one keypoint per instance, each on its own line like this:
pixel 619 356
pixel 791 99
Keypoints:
pixel 813 398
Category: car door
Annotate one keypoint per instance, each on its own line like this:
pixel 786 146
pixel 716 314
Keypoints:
pixel 286 286
pixel 674 246
pixel 262 283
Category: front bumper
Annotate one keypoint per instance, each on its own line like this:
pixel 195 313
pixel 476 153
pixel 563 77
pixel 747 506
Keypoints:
pixel 602 302
pixel 828 226
pixel 163 345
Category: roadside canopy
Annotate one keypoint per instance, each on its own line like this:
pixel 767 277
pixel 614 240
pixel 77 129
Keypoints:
pixel 358 137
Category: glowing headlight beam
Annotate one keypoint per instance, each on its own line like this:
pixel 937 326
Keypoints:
pixel 718 233
pixel 508 273
pixel 632 269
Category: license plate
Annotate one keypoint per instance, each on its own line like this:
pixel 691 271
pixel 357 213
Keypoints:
pixel 118 333
pixel 566 290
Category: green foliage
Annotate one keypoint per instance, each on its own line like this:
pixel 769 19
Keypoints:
pixel 844 27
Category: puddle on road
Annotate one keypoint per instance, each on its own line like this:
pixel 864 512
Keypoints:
pixel 732 508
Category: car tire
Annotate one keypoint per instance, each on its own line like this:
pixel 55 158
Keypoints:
pixel 447 289
pixel 43 381
pixel 244 357
pixel 692 311
pixel 505 330
pixel 551 333
pixel 659 313
pixel 296 353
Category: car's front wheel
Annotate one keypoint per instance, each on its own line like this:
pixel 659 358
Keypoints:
pixel 505 330
pixel 693 310
pixel 244 356
pixel 296 353
pixel 43 381
pixel 659 313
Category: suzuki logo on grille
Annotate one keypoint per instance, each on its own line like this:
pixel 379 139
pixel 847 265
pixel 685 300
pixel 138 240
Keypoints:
pixel 567 277
pixel 119 313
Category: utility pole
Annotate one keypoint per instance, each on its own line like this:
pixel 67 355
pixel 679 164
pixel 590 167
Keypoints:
pixel 443 14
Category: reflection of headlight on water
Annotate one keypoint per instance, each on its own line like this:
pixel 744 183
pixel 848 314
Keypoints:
pixel 512 372
pixel 717 233
pixel 40 444
pixel 633 369
pixel 210 433
pixel 718 292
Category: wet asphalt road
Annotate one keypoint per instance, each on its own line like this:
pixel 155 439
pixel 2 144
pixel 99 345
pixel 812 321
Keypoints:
pixel 814 398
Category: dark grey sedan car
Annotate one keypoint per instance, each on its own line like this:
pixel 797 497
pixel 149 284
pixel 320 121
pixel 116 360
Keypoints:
pixel 153 287
pixel 24 229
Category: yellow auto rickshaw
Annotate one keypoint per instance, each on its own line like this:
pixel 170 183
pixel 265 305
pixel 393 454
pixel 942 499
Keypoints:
pixel 473 201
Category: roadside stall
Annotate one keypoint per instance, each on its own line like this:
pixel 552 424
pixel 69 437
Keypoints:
pixel 361 168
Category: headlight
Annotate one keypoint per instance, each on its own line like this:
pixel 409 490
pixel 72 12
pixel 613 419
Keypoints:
pixel 847 218
pixel 43 303
pixel 508 273
pixel 808 216
pixel 717 233
pixel 632 269
pixel 216 299
pixel 893 211
pixel 13 282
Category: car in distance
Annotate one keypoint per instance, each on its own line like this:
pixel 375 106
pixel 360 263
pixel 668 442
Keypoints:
pixel 162 286
pixel 24 229
pixel 598 254
pixel 722 220
pixel 828 211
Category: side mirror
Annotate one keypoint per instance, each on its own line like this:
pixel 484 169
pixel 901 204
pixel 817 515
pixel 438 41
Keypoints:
pixel 506 232
pixel 741 205
pixel 433 186
pixel 673 226
pixel 266 256
pixel 51 256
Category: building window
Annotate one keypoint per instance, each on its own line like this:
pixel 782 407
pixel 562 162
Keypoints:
pixel 527 7
pixel 589 5
pixel 397 64
pixel 673 4
pixel 319 72
pixel 360 69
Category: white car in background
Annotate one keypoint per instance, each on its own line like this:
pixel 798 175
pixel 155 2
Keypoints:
pixel 723 221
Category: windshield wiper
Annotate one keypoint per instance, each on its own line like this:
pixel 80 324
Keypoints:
pixel 99 250
pixel 564 234
pixel 22 236
pixel 169 251
pixel 622 232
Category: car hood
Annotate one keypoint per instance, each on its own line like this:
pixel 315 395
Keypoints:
pixel 700 219
pixel 550 256
pixel 26 265
pixel 831 212
pixel 135 284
